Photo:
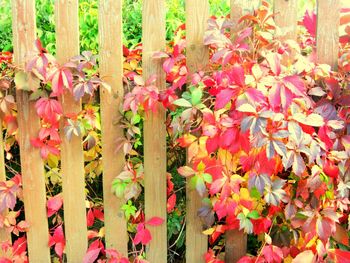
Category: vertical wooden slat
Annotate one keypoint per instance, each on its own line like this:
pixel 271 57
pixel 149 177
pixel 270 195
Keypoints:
pixel 153 31
pixel 72 158
pixel 32 167
pixel 286 17
pixel 240 7
pixel 328 19
pixel 111 70
pixel 197 14
pixel 236 245
pixel 236 241
pixel 4 235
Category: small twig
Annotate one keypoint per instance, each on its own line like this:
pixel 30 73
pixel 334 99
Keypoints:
pixel 182 229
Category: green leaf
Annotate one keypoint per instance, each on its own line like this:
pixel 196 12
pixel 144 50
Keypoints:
pixel 182 103
pixel 207 178
pixel 245 223
pixel 255 193
pixel 196 96
pixel 21 81
pixel 129 209
pixel 118 187
pixel 197 182
pixel 253 214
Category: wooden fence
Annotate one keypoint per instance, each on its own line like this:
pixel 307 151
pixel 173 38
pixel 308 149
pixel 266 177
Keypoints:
pixel 72 160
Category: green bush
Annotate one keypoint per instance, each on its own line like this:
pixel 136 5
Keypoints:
pixel 88 20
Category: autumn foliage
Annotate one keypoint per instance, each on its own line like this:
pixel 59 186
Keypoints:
pixel 265 127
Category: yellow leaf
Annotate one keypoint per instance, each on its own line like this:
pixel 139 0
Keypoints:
pixel 312 242
pixel 209 231
pixel 101 233
pixel 245 211
pixel 244 194
pixel 288 259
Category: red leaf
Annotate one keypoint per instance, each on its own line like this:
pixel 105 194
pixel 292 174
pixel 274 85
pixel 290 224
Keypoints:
pixel 309 21
pixel 54 204
pixel 143 235
pixel 91 256
pixel 272 254
pixel 171 203
pixel 155 221
pixel 20 245
pixel 341 235
pixel 330 169
pixel 99 214
pixel 238 75
pixel 58 240
pixel 90 218
pixel 49 109
pixel 224 97
pixel 339 256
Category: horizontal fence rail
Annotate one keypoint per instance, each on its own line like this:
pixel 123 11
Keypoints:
pixel 72 158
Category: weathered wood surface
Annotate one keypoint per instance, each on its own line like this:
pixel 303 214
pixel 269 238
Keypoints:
pixel 153 33
pixel 236 241
pixel 286 17
pixel 32 166
pixel 72 157
pixel 197 14
pixel 328 20
pixel 111 70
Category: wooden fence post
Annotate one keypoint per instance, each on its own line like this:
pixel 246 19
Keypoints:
pixel 286 17
pixel 32 166
pixel 153 34
pixel 197 14
pixel 236 241
pixel 328 20
pixel 111 70
pixel 240 7
pixel 72 158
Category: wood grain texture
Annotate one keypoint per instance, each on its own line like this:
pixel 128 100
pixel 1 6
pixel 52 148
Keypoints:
pixel 197 14
pixel 32 167
pixel 4 235
pixel 111 70
pixel 236 245
pixel 327 39
pixel 286 17
pixel 236 241
pixel 72 158
pixel 240 7
pixel 153 34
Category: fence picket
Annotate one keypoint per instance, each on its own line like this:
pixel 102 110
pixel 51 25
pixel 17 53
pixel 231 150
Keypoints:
pixel 286 17
pixel 240 7
pixel 32 167
pixel 197 14
pixel 327 39
pixel 111 70
pixel 72 158
pixel 153 33
pixel 235 240
pixel 155 165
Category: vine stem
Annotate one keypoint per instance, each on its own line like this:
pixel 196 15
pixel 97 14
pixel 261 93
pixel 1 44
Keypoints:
pixel 182 229
pixel 259 255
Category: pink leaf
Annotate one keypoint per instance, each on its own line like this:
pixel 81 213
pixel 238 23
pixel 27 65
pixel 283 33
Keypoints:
pixel 155 221
pixel 309 21
pixel 54 204
pixel 91 256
